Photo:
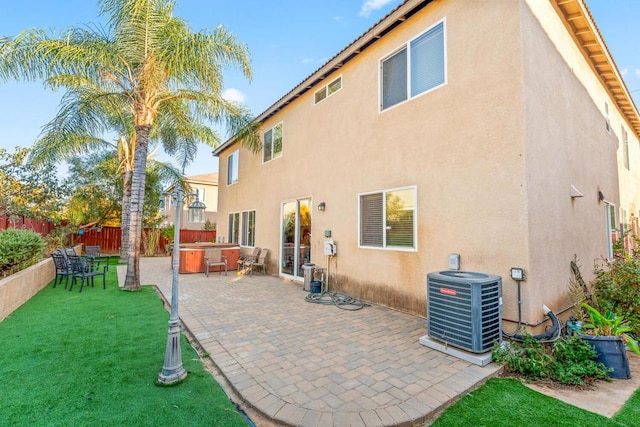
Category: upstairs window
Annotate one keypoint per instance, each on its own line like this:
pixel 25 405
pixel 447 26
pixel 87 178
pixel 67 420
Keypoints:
pixel 625 148
pixel 272 143
pixel 416 68
pixel 328 90
pixel 232 168
pixel 388 219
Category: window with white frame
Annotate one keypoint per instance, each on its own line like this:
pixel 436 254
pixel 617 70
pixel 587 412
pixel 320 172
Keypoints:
pixel 232 168
pixel 611 229
pixel 388 219
pixel 625 147
pixel 242 227
pixel 328 90
pixel 247 229
pixel 416 68
pixel 272 147
pixel 165 203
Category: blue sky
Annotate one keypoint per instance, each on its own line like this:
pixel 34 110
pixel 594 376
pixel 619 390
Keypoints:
pixel 288 40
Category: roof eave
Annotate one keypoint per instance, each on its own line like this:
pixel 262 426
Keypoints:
pixel 373 34
pixel 578 20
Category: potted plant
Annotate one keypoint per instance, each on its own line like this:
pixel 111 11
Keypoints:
pixel 608 335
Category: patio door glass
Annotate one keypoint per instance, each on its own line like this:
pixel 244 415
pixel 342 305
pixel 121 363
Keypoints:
pixel 296 236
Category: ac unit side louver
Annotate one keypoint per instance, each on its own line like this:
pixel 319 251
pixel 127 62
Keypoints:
pixel 464 309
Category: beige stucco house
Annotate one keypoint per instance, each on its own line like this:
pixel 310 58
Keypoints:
pixel 206 187
pixel 501 131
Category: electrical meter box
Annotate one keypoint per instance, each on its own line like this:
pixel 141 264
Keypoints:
pixel 329 247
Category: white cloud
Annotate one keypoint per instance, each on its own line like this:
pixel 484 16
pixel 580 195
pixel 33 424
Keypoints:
pixel 338 18
pixel 624 71
pixel 232 94
pixel 637 72
pixel 371 5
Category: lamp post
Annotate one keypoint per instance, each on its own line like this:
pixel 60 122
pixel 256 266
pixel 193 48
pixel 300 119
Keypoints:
pixel 172 370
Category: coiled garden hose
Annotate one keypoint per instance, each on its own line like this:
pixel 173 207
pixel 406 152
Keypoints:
pixel 342 301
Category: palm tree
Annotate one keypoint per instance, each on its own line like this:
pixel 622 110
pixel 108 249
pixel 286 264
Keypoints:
pixel 145 58
pixel 85 115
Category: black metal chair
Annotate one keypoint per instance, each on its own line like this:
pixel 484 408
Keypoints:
pixel 94 252
pixel 84 268
pixel 63 268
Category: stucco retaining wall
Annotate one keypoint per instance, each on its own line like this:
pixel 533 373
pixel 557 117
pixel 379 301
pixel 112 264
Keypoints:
pixel 16 289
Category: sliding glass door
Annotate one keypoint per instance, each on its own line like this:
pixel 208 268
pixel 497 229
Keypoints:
pixel 296 236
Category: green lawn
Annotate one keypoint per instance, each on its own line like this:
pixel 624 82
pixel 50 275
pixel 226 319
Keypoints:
pixel 91 358
pixel 507 402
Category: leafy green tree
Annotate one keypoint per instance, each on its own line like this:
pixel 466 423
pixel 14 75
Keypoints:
pixel 28 191
pixel 97 190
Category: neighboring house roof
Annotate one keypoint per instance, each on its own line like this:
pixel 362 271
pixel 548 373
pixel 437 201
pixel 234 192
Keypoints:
pixel 576 17
pixel 574 14
pixel 207 178
pixel 203 179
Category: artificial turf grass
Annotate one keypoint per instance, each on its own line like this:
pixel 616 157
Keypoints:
pixel 630 412
pixel 507 402
pixel 92 358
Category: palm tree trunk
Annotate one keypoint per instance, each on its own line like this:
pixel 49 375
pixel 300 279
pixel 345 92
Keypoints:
pixel 125 222
pixel 138 179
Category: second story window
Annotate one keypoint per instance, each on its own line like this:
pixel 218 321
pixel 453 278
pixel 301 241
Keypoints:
pixel 328 90
pixel 416 68
pixel 232 168
pixel 272 143
pixel 625 148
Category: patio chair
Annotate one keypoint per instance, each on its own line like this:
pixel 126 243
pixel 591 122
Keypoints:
pixel 245 259
pixel 259 263
pixel 70 251
pixel 63 268
pixel 94 252
pixel 84 268
pixel 214 258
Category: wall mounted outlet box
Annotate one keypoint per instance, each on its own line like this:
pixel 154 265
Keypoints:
pixel 454 262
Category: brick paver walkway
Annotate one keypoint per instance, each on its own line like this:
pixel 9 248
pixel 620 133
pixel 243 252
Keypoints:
pixel 306 364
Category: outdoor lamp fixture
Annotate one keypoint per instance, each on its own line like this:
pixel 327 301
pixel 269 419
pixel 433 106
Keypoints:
pixel 322 206
pixel 517 274
pixel 172 370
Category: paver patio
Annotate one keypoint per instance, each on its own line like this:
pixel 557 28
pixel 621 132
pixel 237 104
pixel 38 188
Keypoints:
pixel 304 364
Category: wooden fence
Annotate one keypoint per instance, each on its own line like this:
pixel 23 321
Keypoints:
pixel 20 222
pixel 110 238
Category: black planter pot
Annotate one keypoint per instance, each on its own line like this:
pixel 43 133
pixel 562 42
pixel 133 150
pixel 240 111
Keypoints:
pixel 611 352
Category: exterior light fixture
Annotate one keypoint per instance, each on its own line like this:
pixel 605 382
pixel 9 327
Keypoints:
pixel 322 206
pixel 517 274
pixel 172 370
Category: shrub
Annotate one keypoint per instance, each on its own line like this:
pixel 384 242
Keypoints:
pixel 568 360
pixel 616 286
pixel 19 249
